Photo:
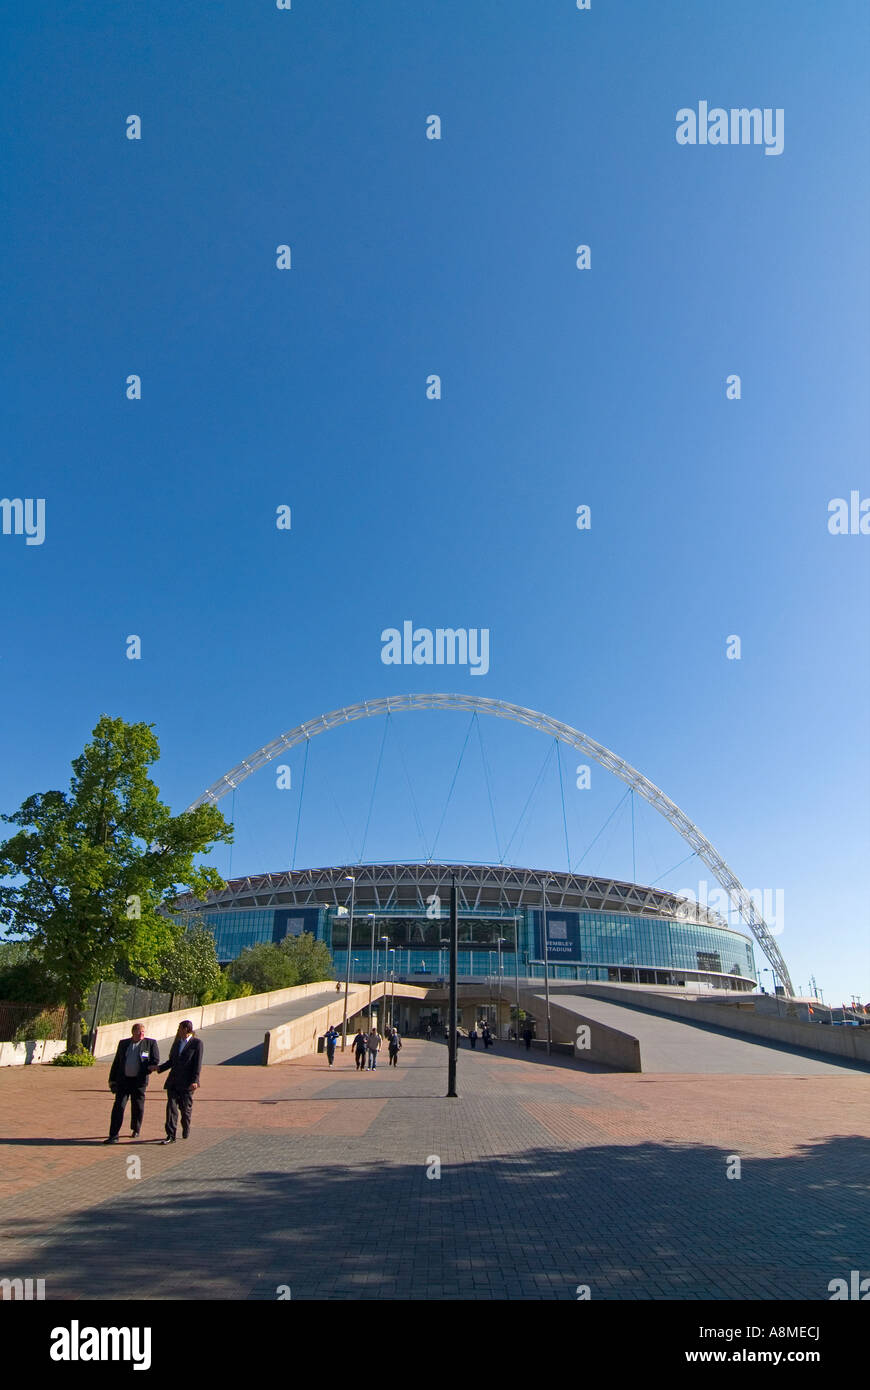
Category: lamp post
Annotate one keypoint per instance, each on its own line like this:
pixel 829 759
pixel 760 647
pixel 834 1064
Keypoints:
pixel 386 941
pixel 452 1008
pixel 544 883
pixel 352 880
pixel 371 967
pixel 499 943
pixel 444 941
pixel 392 952
pixel 517 968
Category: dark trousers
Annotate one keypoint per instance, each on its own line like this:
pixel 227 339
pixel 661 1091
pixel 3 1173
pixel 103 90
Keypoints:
pixel 394 1059
pixel 528 1043
pixel 178 1100
pixel 360 1060
pixel 330 1055
pixel 133 1088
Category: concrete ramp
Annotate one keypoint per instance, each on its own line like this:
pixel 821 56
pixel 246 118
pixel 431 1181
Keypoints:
pixel 238 1042
pixel 671 1045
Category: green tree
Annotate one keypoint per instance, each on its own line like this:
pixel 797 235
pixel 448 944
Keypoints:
pixel 265 967
pixel 191 967
pixel 311 958
pixel 28 982
pixel 93 865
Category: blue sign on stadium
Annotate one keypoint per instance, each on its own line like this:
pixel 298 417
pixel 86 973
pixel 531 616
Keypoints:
pixel 563 936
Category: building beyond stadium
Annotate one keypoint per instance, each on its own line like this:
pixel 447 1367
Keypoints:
pixel 598 929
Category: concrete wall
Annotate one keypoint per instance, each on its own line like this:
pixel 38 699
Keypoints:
pixel 851 1043
pixel 608 1046
pixel 26 1053
pixel 298 1038
pixel 165 1025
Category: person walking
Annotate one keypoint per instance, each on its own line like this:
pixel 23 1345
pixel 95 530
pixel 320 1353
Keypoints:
pixel 527 1036
pixel 359 1050
pixel 373 1043
pixel 184 1067
pixel 428 1032
pixel 393 1047
pixel 472 1038
pixel 134 1061
pixel 331 1040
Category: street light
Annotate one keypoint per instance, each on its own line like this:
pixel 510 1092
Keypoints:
pixel 371 967
pixel 385 940
pixel 392 952
pixel 499 943
pixel 352 881
pixel 544 883
pixel 442 942
pixel 517 968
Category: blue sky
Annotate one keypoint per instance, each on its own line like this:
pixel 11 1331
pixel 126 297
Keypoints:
pixel 560 387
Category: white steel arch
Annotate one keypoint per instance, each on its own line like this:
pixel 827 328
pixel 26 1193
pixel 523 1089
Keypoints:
pixel 501 709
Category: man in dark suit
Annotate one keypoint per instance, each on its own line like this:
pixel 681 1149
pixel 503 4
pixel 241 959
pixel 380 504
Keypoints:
pixel 134 1061
pixel 184 1066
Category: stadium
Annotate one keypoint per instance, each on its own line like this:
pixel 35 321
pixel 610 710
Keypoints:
pixel 596 929
pixel 391 919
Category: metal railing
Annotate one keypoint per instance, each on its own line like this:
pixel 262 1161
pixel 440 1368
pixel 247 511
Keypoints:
pixel 22 1022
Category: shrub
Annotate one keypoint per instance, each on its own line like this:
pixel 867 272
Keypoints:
pixel 74 1059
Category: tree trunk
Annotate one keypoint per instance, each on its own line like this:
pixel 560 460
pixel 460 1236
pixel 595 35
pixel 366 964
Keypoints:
pixel 74 1022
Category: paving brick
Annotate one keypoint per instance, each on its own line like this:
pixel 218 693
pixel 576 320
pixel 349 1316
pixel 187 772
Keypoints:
pixel 551 1176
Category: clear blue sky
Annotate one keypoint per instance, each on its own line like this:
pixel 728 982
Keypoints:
pixel 560 387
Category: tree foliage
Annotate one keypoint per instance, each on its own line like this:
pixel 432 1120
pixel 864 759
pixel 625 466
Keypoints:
pixel 311 958
pixel 191 966
pixel 298 960
pixel 92 866
pixel 264 967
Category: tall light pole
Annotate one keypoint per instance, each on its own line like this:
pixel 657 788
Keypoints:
pixel 499 943
pixel 452 1008
pixel 544 883
pixel 444 941
pixel 386 941
pixel 392 952
pixel 371 967
pixel 349 949
pixel 517 968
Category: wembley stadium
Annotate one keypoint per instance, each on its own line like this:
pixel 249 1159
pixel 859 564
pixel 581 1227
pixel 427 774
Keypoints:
pixel 391 919
pixel 597 929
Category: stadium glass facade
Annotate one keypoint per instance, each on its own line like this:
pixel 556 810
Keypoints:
pixel 631 933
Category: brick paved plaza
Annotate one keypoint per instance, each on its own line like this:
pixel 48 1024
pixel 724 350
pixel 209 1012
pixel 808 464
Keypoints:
pixel 551 1176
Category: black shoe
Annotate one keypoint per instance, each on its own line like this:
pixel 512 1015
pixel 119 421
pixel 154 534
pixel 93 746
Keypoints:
pixel 112 1139
pixel 185 1136
pixel 167 1141
pixel 134 1134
